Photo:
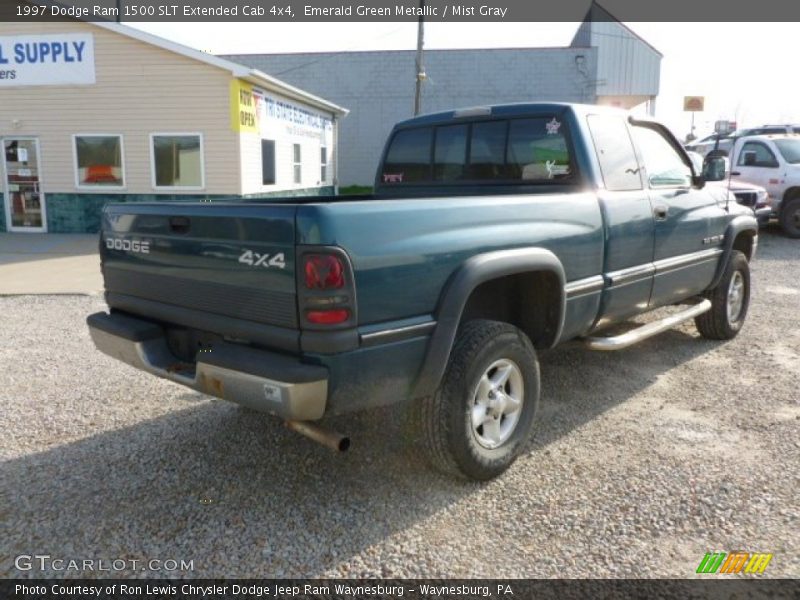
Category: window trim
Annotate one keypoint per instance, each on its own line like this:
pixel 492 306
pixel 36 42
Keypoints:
pixel 575 179
pixel 198 134
pixel 323 165
pixel 98 188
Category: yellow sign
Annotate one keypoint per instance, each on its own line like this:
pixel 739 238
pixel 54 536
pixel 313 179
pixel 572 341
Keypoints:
pixel 243 107
pixel 693 103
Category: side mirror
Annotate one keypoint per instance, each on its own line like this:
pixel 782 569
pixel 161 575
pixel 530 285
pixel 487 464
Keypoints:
pixel 749 158
pixel 714 168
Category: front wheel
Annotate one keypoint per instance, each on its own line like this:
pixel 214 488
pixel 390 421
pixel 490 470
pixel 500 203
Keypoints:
pixel 729 301
pixel 479 420
pixel 790 218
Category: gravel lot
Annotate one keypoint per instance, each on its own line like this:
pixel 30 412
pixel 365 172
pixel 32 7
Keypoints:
pixel 644 460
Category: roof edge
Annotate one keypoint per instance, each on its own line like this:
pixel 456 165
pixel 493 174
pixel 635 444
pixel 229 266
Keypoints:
pixel 236 70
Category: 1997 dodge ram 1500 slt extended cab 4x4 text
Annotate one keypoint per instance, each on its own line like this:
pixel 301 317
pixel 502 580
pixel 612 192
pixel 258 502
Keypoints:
pixel 494 233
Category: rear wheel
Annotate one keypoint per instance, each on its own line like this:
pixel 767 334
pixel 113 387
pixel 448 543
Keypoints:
pixel 479 420
pixel 790 218
pixel 729 301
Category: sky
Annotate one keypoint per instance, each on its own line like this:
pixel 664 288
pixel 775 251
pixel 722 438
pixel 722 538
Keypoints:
pixel 746 71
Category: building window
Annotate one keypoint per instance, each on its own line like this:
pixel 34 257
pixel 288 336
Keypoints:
pixel 298 169
pixel 267 162
pixel 323 164
pixel 177 160
pixel 98 161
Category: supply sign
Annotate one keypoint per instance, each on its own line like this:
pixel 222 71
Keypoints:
pixel 53 59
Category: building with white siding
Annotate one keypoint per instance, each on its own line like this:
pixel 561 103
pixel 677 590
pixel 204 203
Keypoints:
pixel 606 63
pixel 92 113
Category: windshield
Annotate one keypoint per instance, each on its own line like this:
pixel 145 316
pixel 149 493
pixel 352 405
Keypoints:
pixel 790 150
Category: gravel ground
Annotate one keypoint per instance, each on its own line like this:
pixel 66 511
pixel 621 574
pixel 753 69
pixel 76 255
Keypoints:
pixel 645 459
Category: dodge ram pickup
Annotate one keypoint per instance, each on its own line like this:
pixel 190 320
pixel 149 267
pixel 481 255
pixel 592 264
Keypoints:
pixel 494 233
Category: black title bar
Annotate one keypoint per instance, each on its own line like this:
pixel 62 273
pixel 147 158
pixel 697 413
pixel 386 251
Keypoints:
pixel 399 10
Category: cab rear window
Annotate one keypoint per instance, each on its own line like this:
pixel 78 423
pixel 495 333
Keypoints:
pixel 532 150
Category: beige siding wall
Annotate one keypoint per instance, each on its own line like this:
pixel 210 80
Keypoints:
pixel 140 89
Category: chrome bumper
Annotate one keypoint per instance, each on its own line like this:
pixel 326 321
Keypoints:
pixel 261 380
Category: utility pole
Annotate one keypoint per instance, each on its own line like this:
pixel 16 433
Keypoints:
pixel 420 68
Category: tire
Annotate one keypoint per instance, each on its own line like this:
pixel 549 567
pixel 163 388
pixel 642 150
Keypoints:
pixel 732 292
pixel 790 218
pixel 444 422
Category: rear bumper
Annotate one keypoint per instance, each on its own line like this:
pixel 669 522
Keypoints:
pixel 264 381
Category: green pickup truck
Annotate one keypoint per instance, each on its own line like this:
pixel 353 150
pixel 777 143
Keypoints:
pixel 494 233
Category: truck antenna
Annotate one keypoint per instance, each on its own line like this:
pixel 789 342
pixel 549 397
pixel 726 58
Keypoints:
pixel 730 174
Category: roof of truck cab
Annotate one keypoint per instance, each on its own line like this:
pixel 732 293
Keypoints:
pixel 520 109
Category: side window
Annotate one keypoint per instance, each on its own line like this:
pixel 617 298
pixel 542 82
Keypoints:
pixel 408 159
pixel 614 148
pixel 487 150
pixel 663 164
pixel 763 156
pixel 450 153
pixel 537 150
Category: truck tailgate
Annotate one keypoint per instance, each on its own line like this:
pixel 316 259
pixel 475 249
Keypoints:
pixel 231 260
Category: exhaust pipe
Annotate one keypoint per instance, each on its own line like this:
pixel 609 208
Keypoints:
pixel 330 439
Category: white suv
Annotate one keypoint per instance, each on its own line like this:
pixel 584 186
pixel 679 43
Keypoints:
pixel 773 162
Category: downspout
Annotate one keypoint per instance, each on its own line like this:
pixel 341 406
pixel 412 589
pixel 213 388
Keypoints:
pixel 335 155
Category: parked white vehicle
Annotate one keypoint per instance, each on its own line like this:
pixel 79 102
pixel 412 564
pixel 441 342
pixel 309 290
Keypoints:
pixel 773 162
pixel 746 194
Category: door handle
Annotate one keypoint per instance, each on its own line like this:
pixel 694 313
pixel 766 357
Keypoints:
pixel 661 212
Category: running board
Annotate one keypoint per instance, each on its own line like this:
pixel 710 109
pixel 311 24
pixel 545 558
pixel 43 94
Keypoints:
pixel 634 336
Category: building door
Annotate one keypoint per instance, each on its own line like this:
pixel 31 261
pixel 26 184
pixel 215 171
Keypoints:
pixel 24 200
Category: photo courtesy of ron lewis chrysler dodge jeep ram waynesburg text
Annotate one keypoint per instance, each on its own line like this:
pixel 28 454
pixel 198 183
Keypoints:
pixel 494 233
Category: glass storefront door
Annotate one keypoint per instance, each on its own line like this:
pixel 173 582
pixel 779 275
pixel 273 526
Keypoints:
pixel 24 201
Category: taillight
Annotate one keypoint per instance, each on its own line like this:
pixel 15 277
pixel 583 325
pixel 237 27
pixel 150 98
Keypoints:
pixel 325 291
pixel 323 272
